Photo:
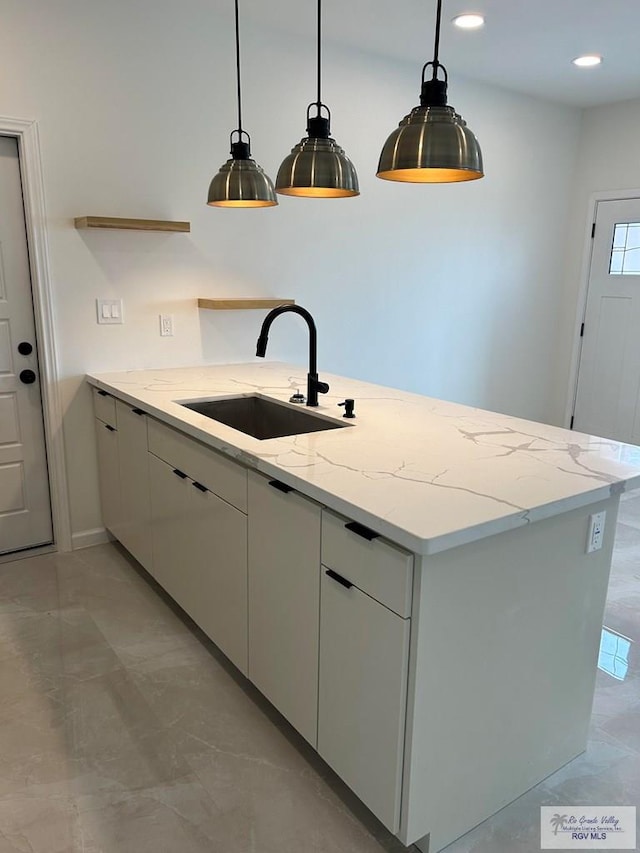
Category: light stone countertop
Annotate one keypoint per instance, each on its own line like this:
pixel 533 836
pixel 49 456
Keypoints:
pixel 425 473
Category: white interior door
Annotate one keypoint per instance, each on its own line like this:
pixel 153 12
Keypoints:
pixel 608 395
pixel 25 508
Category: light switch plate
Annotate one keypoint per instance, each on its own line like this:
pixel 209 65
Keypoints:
pixel 109 311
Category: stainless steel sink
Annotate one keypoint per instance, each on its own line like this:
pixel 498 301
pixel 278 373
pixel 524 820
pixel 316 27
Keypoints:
pixel 262 418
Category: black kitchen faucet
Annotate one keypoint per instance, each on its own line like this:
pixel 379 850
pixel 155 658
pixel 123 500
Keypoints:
pixel 314 386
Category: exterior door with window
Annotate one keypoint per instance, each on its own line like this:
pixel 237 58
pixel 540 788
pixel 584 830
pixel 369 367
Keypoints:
pixel 608 393
pixel 25 508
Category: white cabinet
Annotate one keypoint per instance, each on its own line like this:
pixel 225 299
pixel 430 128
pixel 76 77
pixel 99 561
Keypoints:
pixel 241 554
pixel 170 525
pixel 364 651
pixel 104 406
pixel 284 592
pixel 121 433
pixel 362 695
pixel 199 539
pixel 108 459
pixel 134 531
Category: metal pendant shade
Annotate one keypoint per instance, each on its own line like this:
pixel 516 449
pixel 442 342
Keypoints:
pixel 433 143
pixel 317 166
pixel 241 182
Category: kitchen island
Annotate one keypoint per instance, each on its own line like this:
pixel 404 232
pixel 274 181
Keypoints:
pixel 413 592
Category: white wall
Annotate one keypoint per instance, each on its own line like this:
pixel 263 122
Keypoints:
pixel 451 291
pixel 607 159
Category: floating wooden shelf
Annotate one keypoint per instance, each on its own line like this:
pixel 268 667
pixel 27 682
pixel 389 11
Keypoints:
pixel 131 224
pixel 237 304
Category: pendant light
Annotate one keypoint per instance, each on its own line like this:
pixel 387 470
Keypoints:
pixel 433 143
pixel 240 181
pixel 318 167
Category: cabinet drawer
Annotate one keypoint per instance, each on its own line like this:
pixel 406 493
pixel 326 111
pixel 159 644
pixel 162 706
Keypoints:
pixel 104 406
pixel 222 476
pixel 382 570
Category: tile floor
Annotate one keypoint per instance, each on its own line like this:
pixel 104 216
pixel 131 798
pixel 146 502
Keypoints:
pixel 122 730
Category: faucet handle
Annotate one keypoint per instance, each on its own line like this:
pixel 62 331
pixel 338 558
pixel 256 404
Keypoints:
pixel 322 387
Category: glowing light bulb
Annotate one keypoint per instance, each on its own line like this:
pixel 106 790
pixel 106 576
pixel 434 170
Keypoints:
pixel 469 21
pixel 588 61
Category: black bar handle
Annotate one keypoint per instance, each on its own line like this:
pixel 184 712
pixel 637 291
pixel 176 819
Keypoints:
pixel 180 473
pixel 102 393
pixel 138 412
pixel 339 578
pixel 361 530
pixel 281 487
pixel 199 486
pixel 110 428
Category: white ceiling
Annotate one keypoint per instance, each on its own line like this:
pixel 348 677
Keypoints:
pixel 525 45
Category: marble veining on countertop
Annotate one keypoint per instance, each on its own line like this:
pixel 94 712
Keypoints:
pixel 423 472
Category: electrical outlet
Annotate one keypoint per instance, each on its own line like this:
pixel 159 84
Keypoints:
pixel 109 311
pixel 166 325
pixel 596 531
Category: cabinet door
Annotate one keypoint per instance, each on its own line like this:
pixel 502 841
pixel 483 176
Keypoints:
pixel 135 530
pixel 200 556
pixel 284 558
pixel 109 473
pixel 362 695
pixel 215 587
pixel 171 541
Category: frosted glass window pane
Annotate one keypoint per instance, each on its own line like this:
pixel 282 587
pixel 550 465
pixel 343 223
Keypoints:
pixel 615 268
pixel 619 236
pixel 631 264
pixel 625 249
pixel 633 237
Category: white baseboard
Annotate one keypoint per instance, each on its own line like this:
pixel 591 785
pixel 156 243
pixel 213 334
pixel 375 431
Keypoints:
pixel 87 538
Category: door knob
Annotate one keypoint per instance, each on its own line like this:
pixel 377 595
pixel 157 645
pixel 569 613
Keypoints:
pixel 25 348
pixel 28 377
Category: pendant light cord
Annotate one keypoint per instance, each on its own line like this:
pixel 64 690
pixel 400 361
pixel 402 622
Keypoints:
pixel 319 101
pixel 238 70
pixel 436 46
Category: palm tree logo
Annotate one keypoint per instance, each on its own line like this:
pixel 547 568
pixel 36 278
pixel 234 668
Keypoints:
pixel 557 821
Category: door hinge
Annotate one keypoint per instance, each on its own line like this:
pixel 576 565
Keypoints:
pixel 593 230
pixel 572 419
pixel 582 330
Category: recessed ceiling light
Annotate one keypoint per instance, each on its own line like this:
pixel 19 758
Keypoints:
pixel 587 61
pixel 468 21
